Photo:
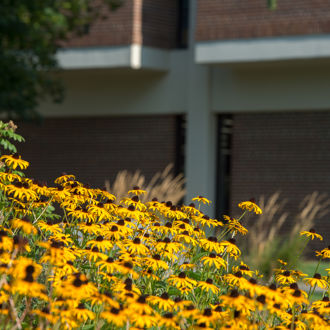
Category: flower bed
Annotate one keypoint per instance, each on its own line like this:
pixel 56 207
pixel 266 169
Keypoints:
pixel 107 264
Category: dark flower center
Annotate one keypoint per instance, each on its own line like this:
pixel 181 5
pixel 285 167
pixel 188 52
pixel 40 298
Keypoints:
pixel 261 299
pixel 29 269
pixel 114 311
pixel 128 265
pixel 114 228
pixel 297 293
pixel 165 296
pixel 234 293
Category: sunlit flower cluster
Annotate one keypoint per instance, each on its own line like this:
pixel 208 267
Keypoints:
pixel 124 264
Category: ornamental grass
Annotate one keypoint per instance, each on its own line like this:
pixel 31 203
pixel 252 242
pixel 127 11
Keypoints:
pixel 102 263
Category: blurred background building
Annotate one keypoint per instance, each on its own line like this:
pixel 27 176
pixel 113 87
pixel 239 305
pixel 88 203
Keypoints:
pixel 235 95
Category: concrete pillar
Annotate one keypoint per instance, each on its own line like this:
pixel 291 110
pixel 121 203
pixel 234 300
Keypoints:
pixel 201 128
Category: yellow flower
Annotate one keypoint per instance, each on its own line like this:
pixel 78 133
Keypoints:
pixel 231 248
pixel 136 247
pixel 21 190
pixel 64 178
pixel 115 316
pixel 50 226
pixel 324 254
pixel 155 262
pixel 169 321
pixel 15 161
pixel 312 234
pixel 137 191
pixel 182 281
pixel 163 302
pixel 316 280
pixel 244 269
pixel 82 314
pixel 238 302
pixel 100 243
pixel 250 206
pixel 285 277
pixel 201 199
pixel 208 286
pixel 25 225
pixel 213 260
pixel 210 244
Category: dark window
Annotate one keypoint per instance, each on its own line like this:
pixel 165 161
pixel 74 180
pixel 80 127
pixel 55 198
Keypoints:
pixel 225 123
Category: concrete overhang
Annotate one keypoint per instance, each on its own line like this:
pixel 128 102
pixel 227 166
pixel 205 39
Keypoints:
pixel 263 49
pixel 132 56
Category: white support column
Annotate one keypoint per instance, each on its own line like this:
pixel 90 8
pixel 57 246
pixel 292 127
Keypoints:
pixel 201 128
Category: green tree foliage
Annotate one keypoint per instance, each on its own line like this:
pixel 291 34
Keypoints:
pixel 31 32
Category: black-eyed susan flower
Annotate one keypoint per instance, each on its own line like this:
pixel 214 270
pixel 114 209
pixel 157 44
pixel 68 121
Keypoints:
pixel 236 279
pixel 46 314
pixel 317 280
pixel 142 321
pixel 64 178
pixel 14 161
pixel 234 226
pixel 185 237
pixel 182 281
pixel 213 260
pixel 311 234
pixel 201 199
pixel 109 265
pixel 25 225
pixel 169 321
pixel 238 302
pixel 208 317
pixel 190 311
pixel 298 297
pixel 244 269
pixel 208 286
pixel 136 247
pixel 21 191
pixel 6 242
pixel 94 254
pixel 115 316
pixel 137 191
pixel 230 247
pixel 324 254
pixel 284 277
pixel 155 262
pixel 250 206
pixel 127 268
pixel 100 243
pixel 163 302
pixel 82 314
pixel 210 244
pixel 51 226
pixel 114 232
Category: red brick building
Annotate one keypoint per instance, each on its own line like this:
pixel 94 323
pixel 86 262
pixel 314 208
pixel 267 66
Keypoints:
pixel 243 89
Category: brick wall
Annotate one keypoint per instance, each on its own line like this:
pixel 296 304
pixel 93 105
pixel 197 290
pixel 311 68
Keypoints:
pixel 235 19
pixel 149 22
pixel 95 149
pixel 115 30
pixel 287 152
pixel 159 23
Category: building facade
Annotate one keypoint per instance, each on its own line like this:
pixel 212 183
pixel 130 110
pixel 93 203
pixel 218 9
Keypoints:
pixel 238 91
